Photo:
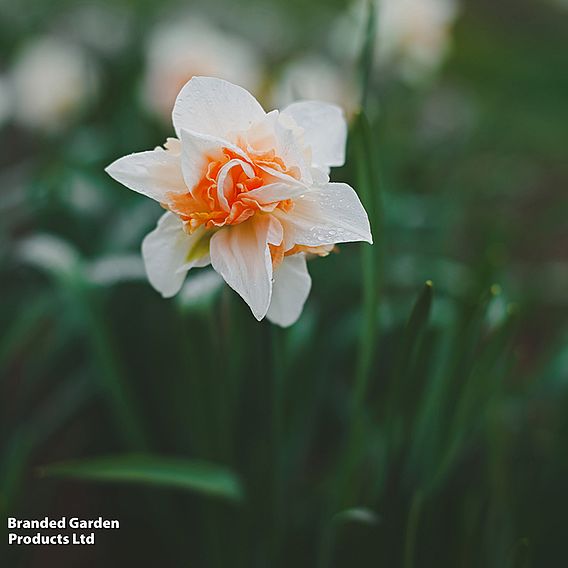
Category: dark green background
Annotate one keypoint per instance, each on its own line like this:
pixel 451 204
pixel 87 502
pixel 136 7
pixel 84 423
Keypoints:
pixel 461 448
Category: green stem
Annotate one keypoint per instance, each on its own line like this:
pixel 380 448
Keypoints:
pixel 367 184
pixel 277 419
pixel 366 59
pixel 412 529
pixel 111 375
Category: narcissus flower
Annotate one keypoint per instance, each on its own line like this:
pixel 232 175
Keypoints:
pixel 191 46
pixel 248 192
pixel 413 36
pixel 6 100
pixel 68 79
pixel 315 77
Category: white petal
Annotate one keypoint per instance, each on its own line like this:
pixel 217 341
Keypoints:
pixel 240 254
pixel 215 107
pixel 274 192
pixel 278 175
pixel 222 191
pixel 166 251
pixel 154 174
pixel 325 130
pixel 197 151
pixel 324 216
pixel 290 146
pixel 291 288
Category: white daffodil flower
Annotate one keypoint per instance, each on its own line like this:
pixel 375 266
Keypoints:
pixel 413 36
pixel 68 80
pixel 248 192
pixel 191 46
pixel 314 77
pixel 418 32
pixel 6 100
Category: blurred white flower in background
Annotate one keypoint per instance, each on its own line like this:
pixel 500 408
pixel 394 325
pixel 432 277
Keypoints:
pixel 59 258
pixel 179 50
pixel 49 253
pixel 114 269
pixel 413 36
pixel 417 33
pixel 6 100
pixel 315 78
pixel 53 80
pixel 105 28
pixel 199 288
pixel 84 196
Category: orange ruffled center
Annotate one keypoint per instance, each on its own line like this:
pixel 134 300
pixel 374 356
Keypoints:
pixel 223 195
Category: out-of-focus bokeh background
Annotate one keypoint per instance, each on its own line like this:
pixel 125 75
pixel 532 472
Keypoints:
pixel 363 435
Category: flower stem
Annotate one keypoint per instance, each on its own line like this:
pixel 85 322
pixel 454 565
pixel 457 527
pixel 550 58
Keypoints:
pixel 367 179
pixel 277 408
pixel 412 528
pixel 112 377
pixel 371 256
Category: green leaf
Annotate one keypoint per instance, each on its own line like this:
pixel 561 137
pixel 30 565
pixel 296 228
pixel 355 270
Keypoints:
pixel 368 186
pixel 519 556
pixel 420 312
pixel 191 475
pixel 481 383
pixel 415 325
pixel 24 327
pixel 367 182
pixel 402 375
pixel 360 515
pixel 412 529
pixel 454 356
pixel 64 403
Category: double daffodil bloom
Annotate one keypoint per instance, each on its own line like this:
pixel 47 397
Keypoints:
pixel 247 192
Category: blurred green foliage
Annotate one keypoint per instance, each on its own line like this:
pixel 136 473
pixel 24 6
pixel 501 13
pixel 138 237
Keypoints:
pixel 397 423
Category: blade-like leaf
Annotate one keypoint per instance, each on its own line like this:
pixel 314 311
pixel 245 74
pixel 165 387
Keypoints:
pixel 420 312
pixel 369 188
pixel 357 515
pixel 416 324
pixel 67 400
pixel 23 328
pixel 412 529
pixel 190 475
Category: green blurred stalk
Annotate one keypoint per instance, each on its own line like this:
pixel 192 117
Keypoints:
pixel 63 404
pixel 23 328
pixel 455 355
pixel 368 186
pixel 112 377
pixel 232 371
pixel 395 412
pixel 366 58
pixel 412 529
pixel 278 445
pixel 367 183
